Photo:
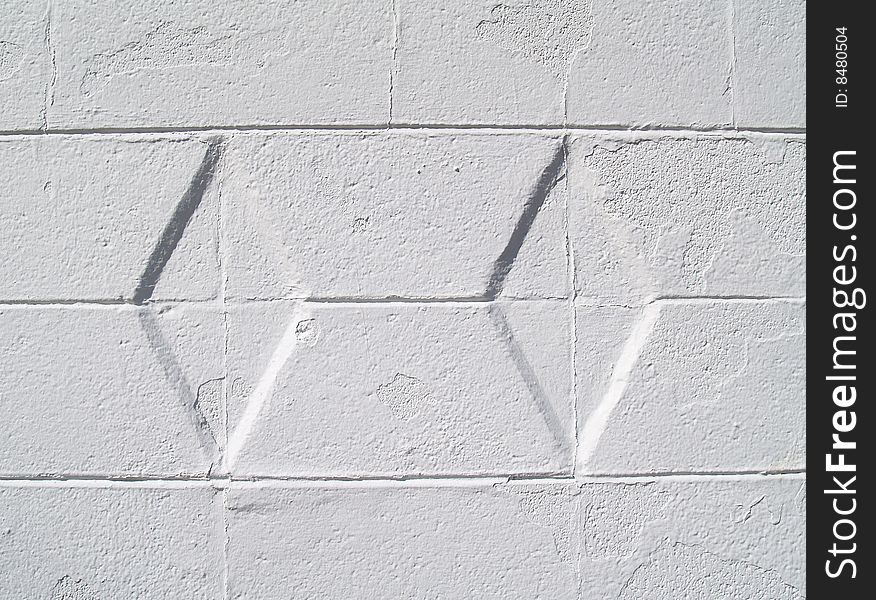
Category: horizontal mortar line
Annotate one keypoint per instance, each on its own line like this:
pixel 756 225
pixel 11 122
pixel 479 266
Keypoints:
pixel 254 301
pixel 389 300
pixel 397 300
pixel 504 476
pixel 225 477
pixel 66 302
pixel 97 302
pixel 746 473
pixel 433 300
pixel 72 477
pixel 728 298
pixel 376 482
pixel 244 482
pixel 602 127
pixel 690 478
pixel 587 302
pixel 522 127
pixel 485 481
pixel 394 299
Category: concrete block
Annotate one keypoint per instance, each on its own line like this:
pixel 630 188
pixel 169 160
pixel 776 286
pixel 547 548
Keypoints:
pixel 387 390
pixel 483 62
pixel 25 65
pixel 110 391
pixel 91 543
pixel 658 63
pixel 252 63
pixel 410 300
pixel 769 77
pixel 692 386
pixel 725 540
pixel 691 539
pixel 408 542
pixel 408 214
pixel 660 215
pixel 81 218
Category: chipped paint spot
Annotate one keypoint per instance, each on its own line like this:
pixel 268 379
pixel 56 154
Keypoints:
pixel 684 572
pixel 549 32
pixel 360 224
pixel 405 395
pixel 11 58
pixel 307 332
pixel 68 588
pixel 616 516
pixel 680 196
pixel 553 509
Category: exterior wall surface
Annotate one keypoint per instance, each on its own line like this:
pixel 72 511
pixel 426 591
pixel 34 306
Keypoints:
pixel 391 299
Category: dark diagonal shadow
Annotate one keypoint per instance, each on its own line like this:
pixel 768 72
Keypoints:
pixel 550 176
pixel 174 375
pixel 179 220
pixel 158 259
pixel 551 419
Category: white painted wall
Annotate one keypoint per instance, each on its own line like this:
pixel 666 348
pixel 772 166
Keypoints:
pixel 402 299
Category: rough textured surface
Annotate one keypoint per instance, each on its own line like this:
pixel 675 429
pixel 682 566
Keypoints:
pixel 391 543
pixel 328 299
pixel 127 398
pixel 589 62
pixel 302 62
pixel 550 32
pixel 658 215
pixel 25 65
pixel 475 62
pixel 98 543
pixel 693 539
pixel 679 539
pixel 454 389
pixel 87 233
pixel 376 215
pixel 714 386
pixel 770 38
pixel 664 62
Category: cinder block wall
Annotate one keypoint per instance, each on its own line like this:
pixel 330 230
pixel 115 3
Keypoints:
pixel 402 299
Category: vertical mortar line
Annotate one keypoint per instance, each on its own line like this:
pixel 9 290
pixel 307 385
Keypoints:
pixel 49 95
pixel 566 93
pixel 578 522
pixel 730 81
pixel 223 403
pixel 225 540
pixel 396 25
pixel 578 526
pixel 573 291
